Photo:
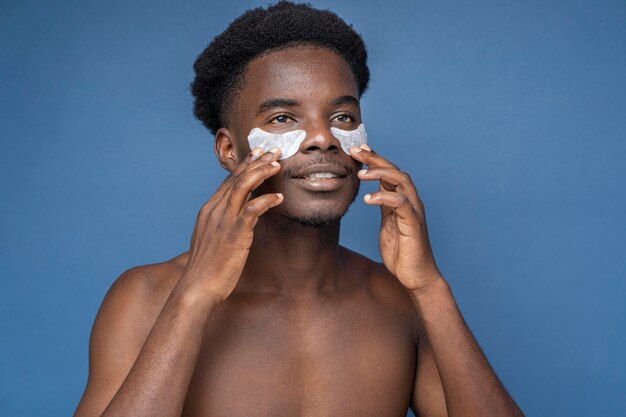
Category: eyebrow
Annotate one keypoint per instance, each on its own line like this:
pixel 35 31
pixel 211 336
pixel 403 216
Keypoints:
pixel 286 102
pixel 345 100
pixel 276 102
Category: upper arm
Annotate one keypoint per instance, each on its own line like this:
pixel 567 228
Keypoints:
pixel 428 398
pixel 120 329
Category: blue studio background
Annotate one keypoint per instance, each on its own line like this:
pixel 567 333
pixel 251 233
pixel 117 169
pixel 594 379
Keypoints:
pixel 510 117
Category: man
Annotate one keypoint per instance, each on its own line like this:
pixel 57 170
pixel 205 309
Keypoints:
pixel 267 315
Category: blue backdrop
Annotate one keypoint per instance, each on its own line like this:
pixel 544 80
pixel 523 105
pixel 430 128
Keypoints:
pixel 510 117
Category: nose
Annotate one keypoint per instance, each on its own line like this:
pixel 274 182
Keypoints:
pixel 319 139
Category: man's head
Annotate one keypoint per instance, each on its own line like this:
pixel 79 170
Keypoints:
pixel 220 67
pixel 285 68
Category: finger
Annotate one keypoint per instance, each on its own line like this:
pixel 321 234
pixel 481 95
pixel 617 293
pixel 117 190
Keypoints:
pixel 370 158
pixel 220 192
pixel 252 161
pixel 252 156
pixel 399 202
pixel 390 178
pixel 256 207
pixel 256 159
pixel 221 202
pixel 223 188
pixel 248 181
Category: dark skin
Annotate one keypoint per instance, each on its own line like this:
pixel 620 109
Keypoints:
pixel 266 317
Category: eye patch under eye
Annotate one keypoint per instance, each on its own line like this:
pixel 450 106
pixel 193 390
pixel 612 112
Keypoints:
pixel 289 142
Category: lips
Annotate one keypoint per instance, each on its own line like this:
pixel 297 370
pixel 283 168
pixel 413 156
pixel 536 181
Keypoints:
pixel 323 184
pixel 320 176
pixel 321 172
pixel 325 177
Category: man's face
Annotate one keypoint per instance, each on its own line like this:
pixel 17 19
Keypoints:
pixel 311 89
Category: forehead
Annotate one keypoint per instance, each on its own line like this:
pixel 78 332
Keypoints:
pixel 303 72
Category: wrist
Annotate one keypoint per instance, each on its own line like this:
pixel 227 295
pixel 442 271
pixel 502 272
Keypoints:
pixel 433 301
pixel 421 280
pixel 434 287
pixel 194 291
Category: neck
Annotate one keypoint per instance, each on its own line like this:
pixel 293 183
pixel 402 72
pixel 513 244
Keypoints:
pixel 291 260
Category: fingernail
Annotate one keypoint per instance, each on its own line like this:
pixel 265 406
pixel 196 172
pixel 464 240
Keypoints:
pixel 363 171
pixel 279 195
pixel 274 163
pixel 355 149
pixel 365 147
pixel 274 150
pixel 256 152
pixel 367 197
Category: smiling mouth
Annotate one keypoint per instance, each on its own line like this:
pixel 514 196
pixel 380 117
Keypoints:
pixel 321 181
pixel 320 176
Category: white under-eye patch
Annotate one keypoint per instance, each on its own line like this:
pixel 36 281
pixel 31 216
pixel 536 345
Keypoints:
pixel 350 138
pixel 289 142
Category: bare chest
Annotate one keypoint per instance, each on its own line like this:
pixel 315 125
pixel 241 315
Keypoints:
pixel 324 360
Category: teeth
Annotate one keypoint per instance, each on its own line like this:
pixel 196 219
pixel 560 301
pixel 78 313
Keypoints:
pixel 320 175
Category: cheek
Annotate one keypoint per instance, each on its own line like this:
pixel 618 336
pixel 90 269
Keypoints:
pixel 270 185
pixel 239 143
pixel 242 150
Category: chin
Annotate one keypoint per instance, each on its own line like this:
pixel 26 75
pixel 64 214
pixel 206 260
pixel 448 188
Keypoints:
pixel 311 207
pixel 316 221
pixel 315 213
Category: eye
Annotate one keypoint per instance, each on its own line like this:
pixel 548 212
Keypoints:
pixel 281 118
pixel 344 118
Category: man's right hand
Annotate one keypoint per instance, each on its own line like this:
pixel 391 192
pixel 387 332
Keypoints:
pixel 147 335
pixel 224 227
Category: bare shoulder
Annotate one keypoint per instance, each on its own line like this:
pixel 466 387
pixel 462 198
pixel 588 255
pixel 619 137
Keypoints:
pixel 122 325
pixel 143 287
pixel 134 301
pixel 384 287
pixel 149 284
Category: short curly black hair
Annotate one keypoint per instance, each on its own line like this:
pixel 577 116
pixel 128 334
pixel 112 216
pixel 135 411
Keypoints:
pixel 219 68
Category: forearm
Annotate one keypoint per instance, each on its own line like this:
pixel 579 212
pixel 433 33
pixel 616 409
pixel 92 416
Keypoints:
pixel 158 381
pixel 470 386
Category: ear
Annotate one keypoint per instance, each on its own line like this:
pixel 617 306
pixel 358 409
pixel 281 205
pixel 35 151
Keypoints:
pixel 225 150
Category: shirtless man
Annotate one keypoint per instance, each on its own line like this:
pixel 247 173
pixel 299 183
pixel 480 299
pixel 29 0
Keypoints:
pixel 266 314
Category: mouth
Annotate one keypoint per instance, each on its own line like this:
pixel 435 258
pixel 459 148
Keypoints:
pixel 322 178
pixel 321 183
pixel 320 171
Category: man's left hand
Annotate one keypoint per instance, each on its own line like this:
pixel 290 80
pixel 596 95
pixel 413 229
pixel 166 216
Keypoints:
pixel 404 244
